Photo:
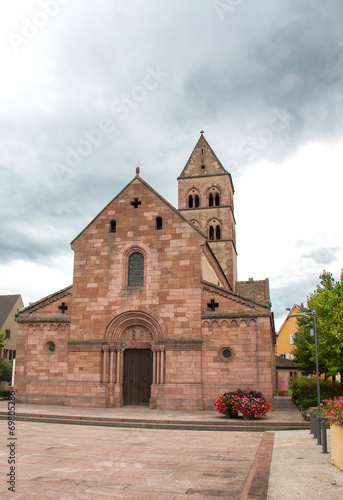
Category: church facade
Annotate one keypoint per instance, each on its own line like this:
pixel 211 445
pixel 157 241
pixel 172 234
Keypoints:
pixel 155 315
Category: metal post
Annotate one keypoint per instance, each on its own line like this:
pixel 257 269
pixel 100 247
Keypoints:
pixel 311 422
pixel 319 436
pixel 317 362
pixel 315 425
pixel 324 436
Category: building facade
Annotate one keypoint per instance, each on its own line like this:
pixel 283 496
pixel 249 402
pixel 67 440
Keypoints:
pixel 155 315
pixel 9 307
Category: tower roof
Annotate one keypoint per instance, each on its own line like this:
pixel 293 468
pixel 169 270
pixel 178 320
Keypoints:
pixel 202 161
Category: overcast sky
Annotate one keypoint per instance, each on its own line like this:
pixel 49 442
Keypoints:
pixel 89 88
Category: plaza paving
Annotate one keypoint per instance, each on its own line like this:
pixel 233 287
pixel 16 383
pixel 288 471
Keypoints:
pixel 63 461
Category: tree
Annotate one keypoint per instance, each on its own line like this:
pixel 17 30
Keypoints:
pixel 328 301
pixel 3 340
pixel 5 370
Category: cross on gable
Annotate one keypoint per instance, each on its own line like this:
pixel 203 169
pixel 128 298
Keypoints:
pixel 63 307
pixel 213 304
pixel 136 202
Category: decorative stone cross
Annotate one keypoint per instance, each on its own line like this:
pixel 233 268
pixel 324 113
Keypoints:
pixel 136 202
pixel 213 304
pixel 63 307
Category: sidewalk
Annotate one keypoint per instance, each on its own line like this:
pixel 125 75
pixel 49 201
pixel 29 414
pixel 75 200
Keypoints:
pixel 56 461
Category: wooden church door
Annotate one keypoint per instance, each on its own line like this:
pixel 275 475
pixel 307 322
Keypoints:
pixel 137 376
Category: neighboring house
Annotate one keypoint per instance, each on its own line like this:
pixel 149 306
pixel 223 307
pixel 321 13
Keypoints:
pixel 286 370
pixel 285 336
pixel 9 307
pixel 155 314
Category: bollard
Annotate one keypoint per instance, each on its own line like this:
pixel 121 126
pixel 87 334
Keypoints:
pixel 324 436
pixel 314 425
pixel 319 435
pixel 311 422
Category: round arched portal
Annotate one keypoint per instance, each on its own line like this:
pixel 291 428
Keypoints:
pixel 132 359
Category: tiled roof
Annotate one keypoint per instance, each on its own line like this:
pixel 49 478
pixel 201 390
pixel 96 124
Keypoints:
pixel 285 363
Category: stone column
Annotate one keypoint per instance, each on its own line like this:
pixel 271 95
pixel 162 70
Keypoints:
pixel 104 350
pixel 111 365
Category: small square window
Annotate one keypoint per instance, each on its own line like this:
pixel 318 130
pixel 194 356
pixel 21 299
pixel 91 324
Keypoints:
pixel 7 334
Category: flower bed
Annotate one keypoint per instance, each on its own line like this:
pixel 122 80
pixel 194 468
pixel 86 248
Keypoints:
pixel 249 403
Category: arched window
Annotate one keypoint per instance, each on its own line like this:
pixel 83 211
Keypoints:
pixel 214 231
pixel 190 201
pixel 158 223
pixel 113 226
pixel 217 200
pixel 136 269
pixel 196 201
pixel 217 232
pixel 211 233
pixel 210 200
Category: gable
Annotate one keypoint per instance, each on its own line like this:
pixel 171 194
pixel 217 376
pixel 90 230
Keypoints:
pixel 227 303
pixel 203 161
pixel 149 203
pixel 48 307
pixel 7 303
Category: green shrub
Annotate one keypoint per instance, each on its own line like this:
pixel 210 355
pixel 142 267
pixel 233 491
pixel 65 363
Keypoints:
pixel 308 403
pixel 5 370
pixel 305 389
pixel 4 393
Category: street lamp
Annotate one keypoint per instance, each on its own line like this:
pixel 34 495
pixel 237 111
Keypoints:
pixel 307 315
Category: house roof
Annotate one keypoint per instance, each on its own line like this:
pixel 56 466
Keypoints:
pixel 7 302
pixel 285 363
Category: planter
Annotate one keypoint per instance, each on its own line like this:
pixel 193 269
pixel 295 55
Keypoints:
pixel 248 417
pixel 233 414
pixel 336 432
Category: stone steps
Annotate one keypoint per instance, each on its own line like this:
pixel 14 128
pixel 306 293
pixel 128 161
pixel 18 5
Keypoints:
pixel 220 425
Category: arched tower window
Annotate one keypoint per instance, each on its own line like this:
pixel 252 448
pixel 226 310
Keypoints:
pixel 113 226
pixel 218 232
pixel 158 223
pixel 214 231
pixel 193 199
pixel 214 198
pixel 136 269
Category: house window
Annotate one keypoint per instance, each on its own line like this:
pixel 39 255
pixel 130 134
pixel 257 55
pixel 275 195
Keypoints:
pixel 196 201
pixel 136 269
pixel 7 334
pixel 158 223
pixel 210 200
pixel 217 200
pixel 113 226
pixel 190 201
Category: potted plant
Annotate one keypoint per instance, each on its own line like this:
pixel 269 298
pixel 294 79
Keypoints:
pixel 333 410
pixel 250 403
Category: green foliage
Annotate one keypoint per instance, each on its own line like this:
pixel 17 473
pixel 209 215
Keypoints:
pixel 3 340
pixel 305 390
pixel 328 302
pixel 5 370
pixel 4 393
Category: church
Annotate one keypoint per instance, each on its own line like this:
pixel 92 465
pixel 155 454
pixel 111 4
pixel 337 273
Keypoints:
pixel 155 315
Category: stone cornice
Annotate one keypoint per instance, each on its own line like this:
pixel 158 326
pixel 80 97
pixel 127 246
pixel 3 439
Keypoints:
pixel 43 319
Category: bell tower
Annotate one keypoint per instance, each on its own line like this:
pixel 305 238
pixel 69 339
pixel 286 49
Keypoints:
pixel 206 199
